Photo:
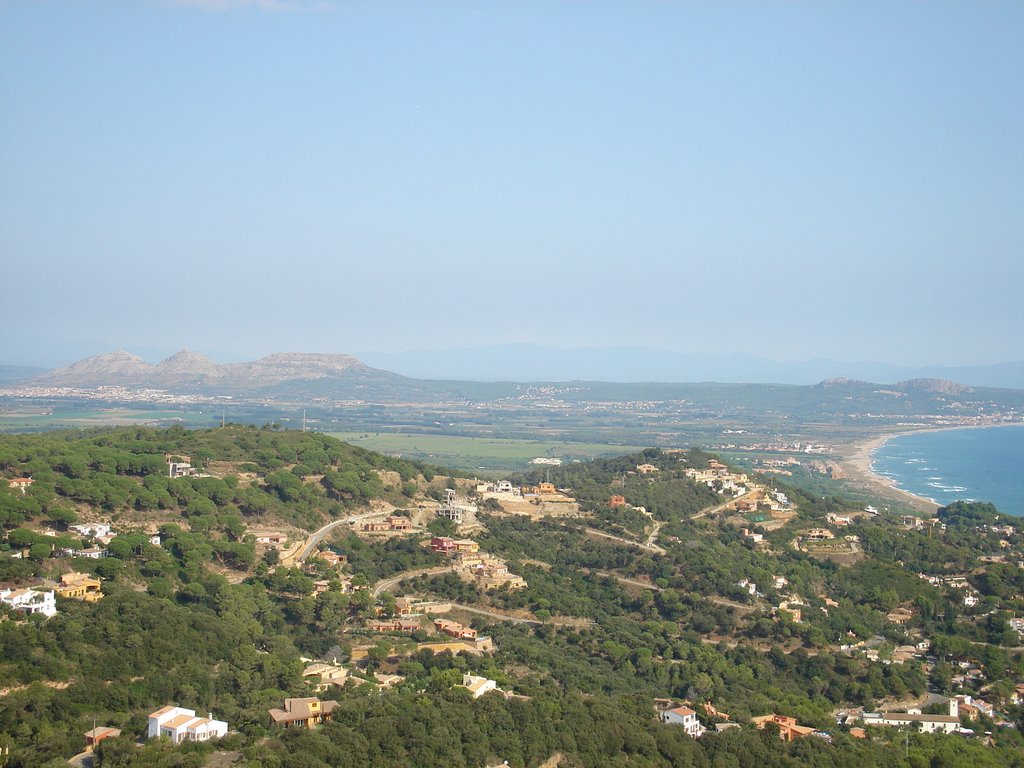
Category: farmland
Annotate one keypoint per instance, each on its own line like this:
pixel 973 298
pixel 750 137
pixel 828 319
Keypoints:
pixel 476 452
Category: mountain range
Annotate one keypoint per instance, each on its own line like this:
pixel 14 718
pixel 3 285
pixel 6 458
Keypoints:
pixel 312 378
pixel 190 370
pixel 536 362
pixel 524 363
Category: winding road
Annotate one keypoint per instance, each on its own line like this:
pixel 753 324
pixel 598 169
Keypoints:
pixel 384 585
pixel 314 539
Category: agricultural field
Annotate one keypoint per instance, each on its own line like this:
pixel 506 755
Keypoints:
pixel 477 453
pixel 37 419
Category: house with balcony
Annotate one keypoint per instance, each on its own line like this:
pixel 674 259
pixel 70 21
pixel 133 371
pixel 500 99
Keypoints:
pixel 80 586
pixel 684 717
pixel 302 713
pixel 30 601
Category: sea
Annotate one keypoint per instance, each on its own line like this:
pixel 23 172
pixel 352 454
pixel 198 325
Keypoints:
pixel 972 464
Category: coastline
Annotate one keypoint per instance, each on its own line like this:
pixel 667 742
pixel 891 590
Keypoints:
pixel 858 468
pixel 857 464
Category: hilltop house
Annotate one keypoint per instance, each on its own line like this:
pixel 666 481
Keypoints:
pixel 757 538
pixel 818 534
pixel 393 625
pixel 302 713
pixel 98 734
pixel 927 723
pixel 332 558
pixel 789 729
pixel 454 629
pixel 322 676
pixel 30 601
pixel 685 717
pixel 399 524
pixel 93 553
pixel 272 539
pixel 449 546
pixel 180 724
pixel 478 686
pixel 80 586
pixel 95 530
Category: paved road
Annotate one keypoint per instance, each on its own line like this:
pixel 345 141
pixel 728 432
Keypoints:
pixel 385 584
pixel 314 539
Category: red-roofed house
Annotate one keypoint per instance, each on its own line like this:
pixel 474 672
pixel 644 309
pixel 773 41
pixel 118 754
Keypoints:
pixel 788 728
pixel 96 735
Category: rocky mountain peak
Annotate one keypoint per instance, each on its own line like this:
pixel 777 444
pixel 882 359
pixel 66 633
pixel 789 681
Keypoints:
pixel 937 386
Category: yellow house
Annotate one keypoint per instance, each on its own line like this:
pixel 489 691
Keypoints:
pixel 80 586
pixel 302 713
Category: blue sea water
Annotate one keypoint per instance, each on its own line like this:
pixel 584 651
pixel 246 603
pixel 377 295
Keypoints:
pixel 975 464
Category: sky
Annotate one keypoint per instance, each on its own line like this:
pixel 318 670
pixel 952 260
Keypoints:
pixel 791 179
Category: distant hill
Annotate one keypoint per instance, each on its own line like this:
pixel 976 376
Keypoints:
pixel 535 362
pixel 329 378
pixel 191 371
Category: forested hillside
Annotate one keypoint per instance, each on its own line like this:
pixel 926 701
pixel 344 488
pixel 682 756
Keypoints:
pixel 620 605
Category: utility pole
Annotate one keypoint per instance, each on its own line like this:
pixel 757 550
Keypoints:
pixel 303 419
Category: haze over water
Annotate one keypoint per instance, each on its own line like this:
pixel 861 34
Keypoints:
pixel 976 464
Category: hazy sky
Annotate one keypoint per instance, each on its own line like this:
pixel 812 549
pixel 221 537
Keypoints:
pixel 792 179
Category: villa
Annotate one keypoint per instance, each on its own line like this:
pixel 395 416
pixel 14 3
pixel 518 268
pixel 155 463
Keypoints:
pixel 302 713
pixel 30 601
pixel 180 724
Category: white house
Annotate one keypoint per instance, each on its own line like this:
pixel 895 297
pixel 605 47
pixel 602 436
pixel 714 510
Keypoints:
pixel 93 553
pixel 685 717
pixel 478 686
pixel 180 724
pixel 96 530
pixel 30 601
pixel 928 723
pixel 757 538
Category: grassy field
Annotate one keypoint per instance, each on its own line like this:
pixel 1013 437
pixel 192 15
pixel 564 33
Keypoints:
pixel 477 453
pixel 33 419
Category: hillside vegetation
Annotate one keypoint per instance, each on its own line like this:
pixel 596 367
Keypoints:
pixel 621 604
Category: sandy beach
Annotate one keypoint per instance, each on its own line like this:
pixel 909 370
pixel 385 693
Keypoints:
pixel 858 468
pixel 857 465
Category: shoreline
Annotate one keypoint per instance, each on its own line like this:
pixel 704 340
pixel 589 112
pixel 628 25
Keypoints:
pixel 858 463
